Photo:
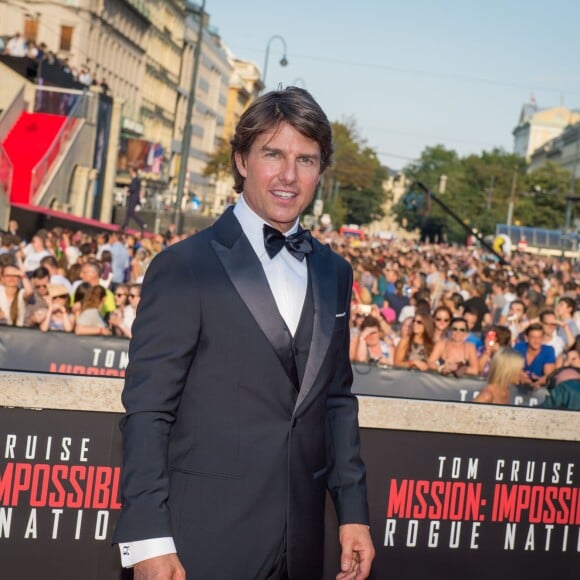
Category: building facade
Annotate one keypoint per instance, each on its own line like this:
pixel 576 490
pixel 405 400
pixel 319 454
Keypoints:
pixel 538 126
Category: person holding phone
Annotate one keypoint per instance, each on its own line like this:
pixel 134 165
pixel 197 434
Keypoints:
pixel 497 337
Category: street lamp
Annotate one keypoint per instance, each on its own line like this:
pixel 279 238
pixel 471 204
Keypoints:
pixel 283 60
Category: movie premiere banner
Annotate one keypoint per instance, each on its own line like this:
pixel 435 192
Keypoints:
pixel 59 494
pixel 443 506
pixel 57 352
pixel 456 507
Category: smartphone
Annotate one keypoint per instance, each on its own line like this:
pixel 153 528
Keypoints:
pixel 491 337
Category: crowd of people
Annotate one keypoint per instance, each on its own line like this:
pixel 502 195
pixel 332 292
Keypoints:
pixel 459 312
pixel 445 309
pixel 75 282
pixel 21 47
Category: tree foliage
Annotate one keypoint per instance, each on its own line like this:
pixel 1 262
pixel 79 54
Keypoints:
pixel 479 190
pixel 355 178
pixel 219 165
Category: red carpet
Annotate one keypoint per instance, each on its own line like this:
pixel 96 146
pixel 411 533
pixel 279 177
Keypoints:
pixel 26 144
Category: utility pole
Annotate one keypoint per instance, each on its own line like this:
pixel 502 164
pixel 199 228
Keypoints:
pixel 186 141
pixel 510 214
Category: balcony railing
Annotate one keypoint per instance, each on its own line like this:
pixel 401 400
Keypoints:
pixel 6 172
pixel 42 168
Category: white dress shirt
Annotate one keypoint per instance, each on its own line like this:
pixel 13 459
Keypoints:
pixel 288 280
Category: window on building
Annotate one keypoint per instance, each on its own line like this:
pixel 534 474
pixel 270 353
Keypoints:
pixel 30 29
pixel 66 33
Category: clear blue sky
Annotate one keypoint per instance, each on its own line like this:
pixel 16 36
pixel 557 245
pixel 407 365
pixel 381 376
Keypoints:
pixel 415 73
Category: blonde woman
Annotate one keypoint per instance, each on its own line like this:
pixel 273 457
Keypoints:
pixel 505 368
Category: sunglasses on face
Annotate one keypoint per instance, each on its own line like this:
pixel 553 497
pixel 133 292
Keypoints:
pixel 120 295
pixel 439 319
pixel 457 329
pixel 63 296
pixel 418 322
pixel 134 296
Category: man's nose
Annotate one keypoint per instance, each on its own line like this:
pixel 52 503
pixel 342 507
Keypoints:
pixel 288 171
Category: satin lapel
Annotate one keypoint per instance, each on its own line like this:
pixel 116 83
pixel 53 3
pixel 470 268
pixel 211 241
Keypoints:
pixel 247 275
pixel 324 292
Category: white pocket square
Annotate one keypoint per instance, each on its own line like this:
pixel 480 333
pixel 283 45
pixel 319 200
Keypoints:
pixel 341 315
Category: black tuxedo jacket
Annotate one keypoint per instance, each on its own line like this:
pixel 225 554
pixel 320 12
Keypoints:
pixel 221 451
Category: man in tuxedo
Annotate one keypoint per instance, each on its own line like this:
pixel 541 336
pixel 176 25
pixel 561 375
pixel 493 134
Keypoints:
pixel 239 411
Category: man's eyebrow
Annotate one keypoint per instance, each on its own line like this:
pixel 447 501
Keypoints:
pixel 268 149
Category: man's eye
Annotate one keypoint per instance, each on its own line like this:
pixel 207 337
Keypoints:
pixel 305 160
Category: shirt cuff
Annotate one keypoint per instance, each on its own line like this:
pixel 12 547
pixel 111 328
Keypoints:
pixel 134 552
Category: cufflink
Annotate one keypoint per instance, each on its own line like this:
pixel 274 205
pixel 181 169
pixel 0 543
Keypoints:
pixel 125 550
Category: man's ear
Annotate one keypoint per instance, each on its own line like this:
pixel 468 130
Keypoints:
pixel 241 164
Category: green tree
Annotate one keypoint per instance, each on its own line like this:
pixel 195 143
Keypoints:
pixel 542 199
pixel 355 178
pixel 219 165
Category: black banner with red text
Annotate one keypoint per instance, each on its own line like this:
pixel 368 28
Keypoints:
pixel 451 507
pixel 59 494
pixel 443 506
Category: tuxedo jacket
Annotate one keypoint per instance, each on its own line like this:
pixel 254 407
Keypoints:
pixel 222 449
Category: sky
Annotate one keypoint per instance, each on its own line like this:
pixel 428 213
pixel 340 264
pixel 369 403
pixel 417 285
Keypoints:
pixel 415 73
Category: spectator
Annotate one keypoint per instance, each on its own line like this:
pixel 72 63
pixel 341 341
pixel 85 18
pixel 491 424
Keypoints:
pixel 516 319
pixel 51 264
pixel 58 316
pixel 471 317
pixel 371 348
pixel 549 323
pixel 416 342
pixel 540 359
pixel 89 321
pixel 91 273
pixel 496 337
pixel 120 259
pixel 16 46
pixel 442 318
pixel 122 324
pixel 37 304
pixel 34 252
pixel 455 303
pixel 564 311
pixel 453 355
pixel 506 367
pixel 13 297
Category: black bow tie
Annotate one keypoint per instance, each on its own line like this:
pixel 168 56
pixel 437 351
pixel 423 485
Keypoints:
pixel 298 244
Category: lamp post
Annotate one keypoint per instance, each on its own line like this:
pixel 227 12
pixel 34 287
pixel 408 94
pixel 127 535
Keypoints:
pixel 283 60
pixel 186 140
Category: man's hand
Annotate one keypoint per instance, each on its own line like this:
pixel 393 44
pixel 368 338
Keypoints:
pixel 357 552
pixel 166 567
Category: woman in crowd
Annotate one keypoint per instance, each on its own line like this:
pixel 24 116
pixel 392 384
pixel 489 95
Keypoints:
pixel 116 317
pixel 13 297
pixel 454 301
pixel 453 355
pixel 371 348
pixel 58 316
pixel 505 369
pixel 496 337
pixel 416 342
pixel 442 318
pixel 89 321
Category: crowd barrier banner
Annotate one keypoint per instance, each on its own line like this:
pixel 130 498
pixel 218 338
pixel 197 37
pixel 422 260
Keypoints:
pixel 31 350
pixel 454 507
pixel 391 382
pixel 57 352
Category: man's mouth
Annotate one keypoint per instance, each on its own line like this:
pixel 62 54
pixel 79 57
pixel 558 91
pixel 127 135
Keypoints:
pixel 283 194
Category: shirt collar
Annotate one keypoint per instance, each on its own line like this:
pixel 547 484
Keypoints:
pixel 253 226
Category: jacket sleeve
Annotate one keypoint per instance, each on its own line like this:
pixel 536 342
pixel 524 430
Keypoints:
pixel 165 336
pixel 347 476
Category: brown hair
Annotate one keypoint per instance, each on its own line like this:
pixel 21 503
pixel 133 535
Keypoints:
pixel 292 105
